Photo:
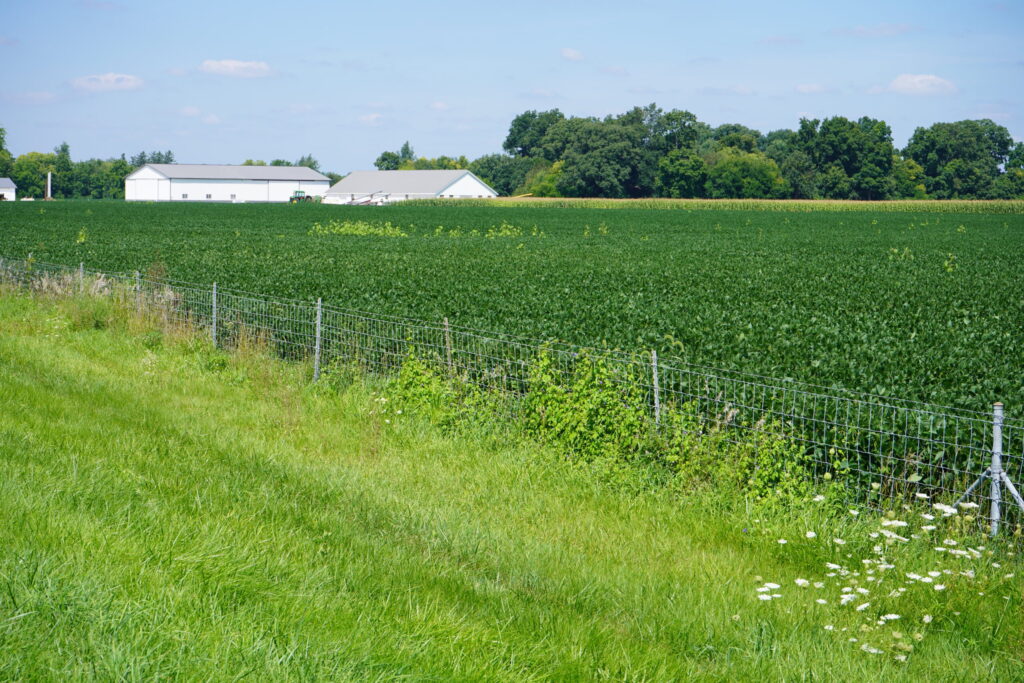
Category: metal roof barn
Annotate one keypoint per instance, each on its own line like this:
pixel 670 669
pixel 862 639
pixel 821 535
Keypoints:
pixel 385 187
pixel 222 183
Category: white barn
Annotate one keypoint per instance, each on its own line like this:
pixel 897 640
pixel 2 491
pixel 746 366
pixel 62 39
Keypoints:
pixel 8 190
pixel 385 187
pixel 222 183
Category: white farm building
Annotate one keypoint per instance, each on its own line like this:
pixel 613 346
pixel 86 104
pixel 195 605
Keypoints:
pixel 384 187
pixel 7 190
pixel 217 183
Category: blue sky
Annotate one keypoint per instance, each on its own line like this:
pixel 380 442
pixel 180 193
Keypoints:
pixel 219 82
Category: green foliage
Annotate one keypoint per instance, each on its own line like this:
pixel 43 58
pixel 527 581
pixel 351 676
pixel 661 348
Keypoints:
pixel 359 228
pixel 284 531
pixel 741 284
pixel 735 174
pixel 681 174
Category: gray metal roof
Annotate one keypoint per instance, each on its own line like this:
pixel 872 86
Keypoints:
pixel 398 182
pixel 7 182
pixel 227 172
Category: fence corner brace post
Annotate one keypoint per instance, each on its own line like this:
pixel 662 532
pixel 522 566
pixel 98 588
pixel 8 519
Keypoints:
pixel 996 478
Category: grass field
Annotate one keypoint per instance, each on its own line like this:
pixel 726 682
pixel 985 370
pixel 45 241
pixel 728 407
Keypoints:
pixel 173 511
pixel 885 299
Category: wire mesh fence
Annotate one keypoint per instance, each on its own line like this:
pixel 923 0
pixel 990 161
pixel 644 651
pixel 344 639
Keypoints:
pixel 881 452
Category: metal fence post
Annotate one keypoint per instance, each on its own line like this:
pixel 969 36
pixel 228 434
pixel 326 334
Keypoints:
pixel 316 350
pixel 213 316
pixel 81 277
pixel 997 466
pixel 448 346
pixel 657 389
pixel 138 292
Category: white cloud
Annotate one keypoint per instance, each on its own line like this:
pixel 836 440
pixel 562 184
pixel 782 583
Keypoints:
pixel 107 82
pixel 211 119
pixel 371 119
pixel 572 55
pixel 919 84
pixel 235 68
pixel 439 106
pixel 190 111
pixel 810 88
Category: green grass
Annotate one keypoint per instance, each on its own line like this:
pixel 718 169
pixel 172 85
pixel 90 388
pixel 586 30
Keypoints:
pixel 172 511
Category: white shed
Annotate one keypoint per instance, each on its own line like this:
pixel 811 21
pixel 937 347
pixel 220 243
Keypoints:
pixel 384 187
pixel 222 183
pixel 7 190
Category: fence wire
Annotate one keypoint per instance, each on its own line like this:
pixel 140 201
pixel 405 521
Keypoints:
pixel 887 452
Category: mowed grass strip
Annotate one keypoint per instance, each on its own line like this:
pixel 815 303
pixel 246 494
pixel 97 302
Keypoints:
pixel 170 510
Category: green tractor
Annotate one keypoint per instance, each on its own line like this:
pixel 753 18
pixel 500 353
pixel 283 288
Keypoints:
pixel 299 196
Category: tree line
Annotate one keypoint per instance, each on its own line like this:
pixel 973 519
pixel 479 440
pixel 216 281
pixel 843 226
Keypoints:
pixel 649 152
pixel 94 178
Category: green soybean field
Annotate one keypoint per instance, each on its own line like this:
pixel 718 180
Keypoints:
pixel 924 305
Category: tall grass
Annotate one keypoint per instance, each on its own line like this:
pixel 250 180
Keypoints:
pixel 169 510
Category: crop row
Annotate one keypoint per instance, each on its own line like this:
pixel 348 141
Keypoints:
pixel 922 306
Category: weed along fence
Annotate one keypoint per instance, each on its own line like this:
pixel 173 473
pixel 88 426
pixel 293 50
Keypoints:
pixel 770 435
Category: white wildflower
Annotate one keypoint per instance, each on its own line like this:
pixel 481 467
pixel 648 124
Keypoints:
pixel 818 498
pixel 838 541
pixel 968 506
pixel 922 496
pixel 949 541
pixel 893 522
pixel 940 587
pixel 890 617
pixel 829 627
pixel 783 541
pixel 927 516
pixel 820 584
pixel 927 618
pixel 772 585
pixel 854 512
pixel 929 527
pixel 870 650
pixel 820 601
pixel 764 597
pixel 803 583
pixel 811 534
pixel 864 606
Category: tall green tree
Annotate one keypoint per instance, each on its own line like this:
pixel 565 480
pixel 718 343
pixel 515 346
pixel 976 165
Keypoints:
pixel 528 130
pixel 735 174
pixel 962 159
pixel 388 161
pixel 64 185
pixel 6 160
pixel 681 174
pixel 308 161
pixel 504 173
pixel 29 173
